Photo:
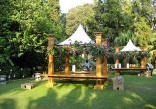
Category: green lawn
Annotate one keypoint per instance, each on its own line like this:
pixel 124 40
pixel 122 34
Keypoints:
pixel 139 93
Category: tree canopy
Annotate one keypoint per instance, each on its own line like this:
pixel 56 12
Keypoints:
pixel 121 20
pixel 24 25
pixel 78 15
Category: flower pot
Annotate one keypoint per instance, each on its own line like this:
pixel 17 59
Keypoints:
pixel 127 65
pixel 119 65
pixel 116 65
pixel 73 68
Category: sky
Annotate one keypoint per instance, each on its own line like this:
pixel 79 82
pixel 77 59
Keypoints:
pixel 66 5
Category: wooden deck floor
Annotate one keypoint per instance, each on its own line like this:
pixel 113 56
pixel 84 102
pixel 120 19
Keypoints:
pixel 129 68
pixel 79 75
pixel 83 75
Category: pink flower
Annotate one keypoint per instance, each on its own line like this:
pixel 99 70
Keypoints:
pixel 106 53
pixel 74 52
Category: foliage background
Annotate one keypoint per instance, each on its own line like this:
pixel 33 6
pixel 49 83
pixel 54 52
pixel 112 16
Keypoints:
pixel 24 25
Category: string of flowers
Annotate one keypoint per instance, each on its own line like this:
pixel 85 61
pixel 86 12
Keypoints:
pixel 94 50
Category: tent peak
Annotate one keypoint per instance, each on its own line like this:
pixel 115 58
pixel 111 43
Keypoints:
pixel 79 35
pixel 130 47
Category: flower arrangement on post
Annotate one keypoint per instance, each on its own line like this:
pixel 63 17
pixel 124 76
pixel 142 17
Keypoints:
pixel 144 54
pixel 116 56
pixel 130 57
pixel 126 56
pixel 103 51
pixel 76 49
pixel 52 50
pixel 73 49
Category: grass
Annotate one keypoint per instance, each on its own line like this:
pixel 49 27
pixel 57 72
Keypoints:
pixel 139 93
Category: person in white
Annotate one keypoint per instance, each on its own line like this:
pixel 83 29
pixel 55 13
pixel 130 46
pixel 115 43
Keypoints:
pixel 150 67
pixel 87 65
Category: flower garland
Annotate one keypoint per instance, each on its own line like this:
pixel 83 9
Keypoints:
pixel 95 50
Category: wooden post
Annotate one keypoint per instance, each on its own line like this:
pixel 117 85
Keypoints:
pixel 105 68
pixel 67 65
pixel 143 64
pixel 99 84
pixel 117 60
pixel 98 66
pixel 105 72
pixel 98 59
pixel 105 42
pixel 51 82
pixel 50 64
pixel 144 59
pixel 117 51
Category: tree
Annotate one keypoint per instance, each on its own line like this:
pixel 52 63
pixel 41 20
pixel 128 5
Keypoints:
pixel 121 20
pixel 127 34
pixel 5 33
pixel 63 23
pixel 29 22
pixel 111 20
pixel 142 14
pixel 78 15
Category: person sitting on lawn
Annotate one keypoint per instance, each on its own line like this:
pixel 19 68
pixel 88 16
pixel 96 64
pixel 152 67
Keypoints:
pixel 150 67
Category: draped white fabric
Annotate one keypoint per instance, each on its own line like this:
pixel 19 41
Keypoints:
pixel 79 35
pixel 130 47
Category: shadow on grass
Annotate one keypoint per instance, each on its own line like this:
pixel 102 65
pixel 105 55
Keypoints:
pixel 129 72
pixel 14 86
pixel 8 104
pixel 139 93
pixel 78 95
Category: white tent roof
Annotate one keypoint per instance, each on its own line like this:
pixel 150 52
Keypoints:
pixel 79 35
pixel 130 47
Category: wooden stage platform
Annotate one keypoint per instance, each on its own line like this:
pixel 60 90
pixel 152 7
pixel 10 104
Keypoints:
pixel 79 75
pixel 133 68
pixel 142 70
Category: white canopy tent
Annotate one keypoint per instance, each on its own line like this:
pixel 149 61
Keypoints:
pixel 130 47
pixel 79 35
